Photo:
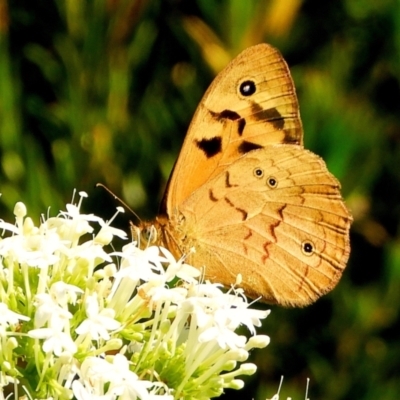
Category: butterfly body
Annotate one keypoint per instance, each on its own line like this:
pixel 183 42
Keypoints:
pixel 248 197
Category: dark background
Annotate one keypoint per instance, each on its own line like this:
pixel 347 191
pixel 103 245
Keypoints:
pixel 104 90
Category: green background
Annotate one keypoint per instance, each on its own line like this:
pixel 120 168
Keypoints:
pixel 104 90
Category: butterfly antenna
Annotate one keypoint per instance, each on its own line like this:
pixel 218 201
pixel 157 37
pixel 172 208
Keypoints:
pixel 118 199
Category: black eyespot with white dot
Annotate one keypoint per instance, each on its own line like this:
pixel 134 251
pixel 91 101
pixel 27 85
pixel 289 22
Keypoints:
pixel 258 172
pixel 272 182
pixel 307 247
pixel 247 88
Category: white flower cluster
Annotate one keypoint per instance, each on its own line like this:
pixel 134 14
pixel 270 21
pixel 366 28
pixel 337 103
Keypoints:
pixel 74 325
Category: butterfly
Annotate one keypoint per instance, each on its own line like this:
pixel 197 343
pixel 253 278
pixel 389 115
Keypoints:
pixel 248 197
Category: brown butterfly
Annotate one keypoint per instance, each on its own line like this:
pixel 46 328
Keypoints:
pixel 247 196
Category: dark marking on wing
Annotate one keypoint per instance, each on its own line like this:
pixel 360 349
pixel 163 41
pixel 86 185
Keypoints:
pixel 302 191
pixel 242 124
pixel 228 114
pixel 249 235
pixel 265 257
pixel 229 202
pixel 303 279
pixel 224 115
pixel 273 226
pixel 280 211
pixel 211 196
pixel 243 212
pixel 292 135
pixel 210 147
pixel 228 184
pixel 271 115
pixel 231 116
pixel 246 146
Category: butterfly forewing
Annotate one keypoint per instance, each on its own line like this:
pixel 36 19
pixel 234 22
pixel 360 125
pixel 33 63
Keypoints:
pixel 251 104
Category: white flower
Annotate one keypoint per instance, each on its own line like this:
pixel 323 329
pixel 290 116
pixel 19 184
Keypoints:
pixel 221 332
pixel 107 232
pixel 157 292
pixel 179 268
pixel 8 317
pixel 97 373
pixel 85 391
pixel 157 330
pixel 55 341
pixel 206 290
pixel 140 264
pixel 98 324
pixel 50 312
pixel 36 249
pixel 136 265
pixel 126 383
pixel 236 312
pixel 90 251
pixel 73 213
pixel 64 293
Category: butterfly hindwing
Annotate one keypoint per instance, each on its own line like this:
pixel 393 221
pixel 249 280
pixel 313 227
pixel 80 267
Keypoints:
pixel 276 217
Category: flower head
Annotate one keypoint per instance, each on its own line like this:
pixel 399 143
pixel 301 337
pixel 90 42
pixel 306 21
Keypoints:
pixel 94 331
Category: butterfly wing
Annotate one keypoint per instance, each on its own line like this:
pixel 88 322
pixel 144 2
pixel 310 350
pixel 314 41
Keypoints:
pixel 275 216
pixel 250 104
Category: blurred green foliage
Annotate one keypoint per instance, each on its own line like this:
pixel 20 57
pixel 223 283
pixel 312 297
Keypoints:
pixel 103 91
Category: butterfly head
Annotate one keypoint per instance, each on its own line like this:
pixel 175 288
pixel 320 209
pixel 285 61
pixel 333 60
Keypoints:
pixel 146 234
